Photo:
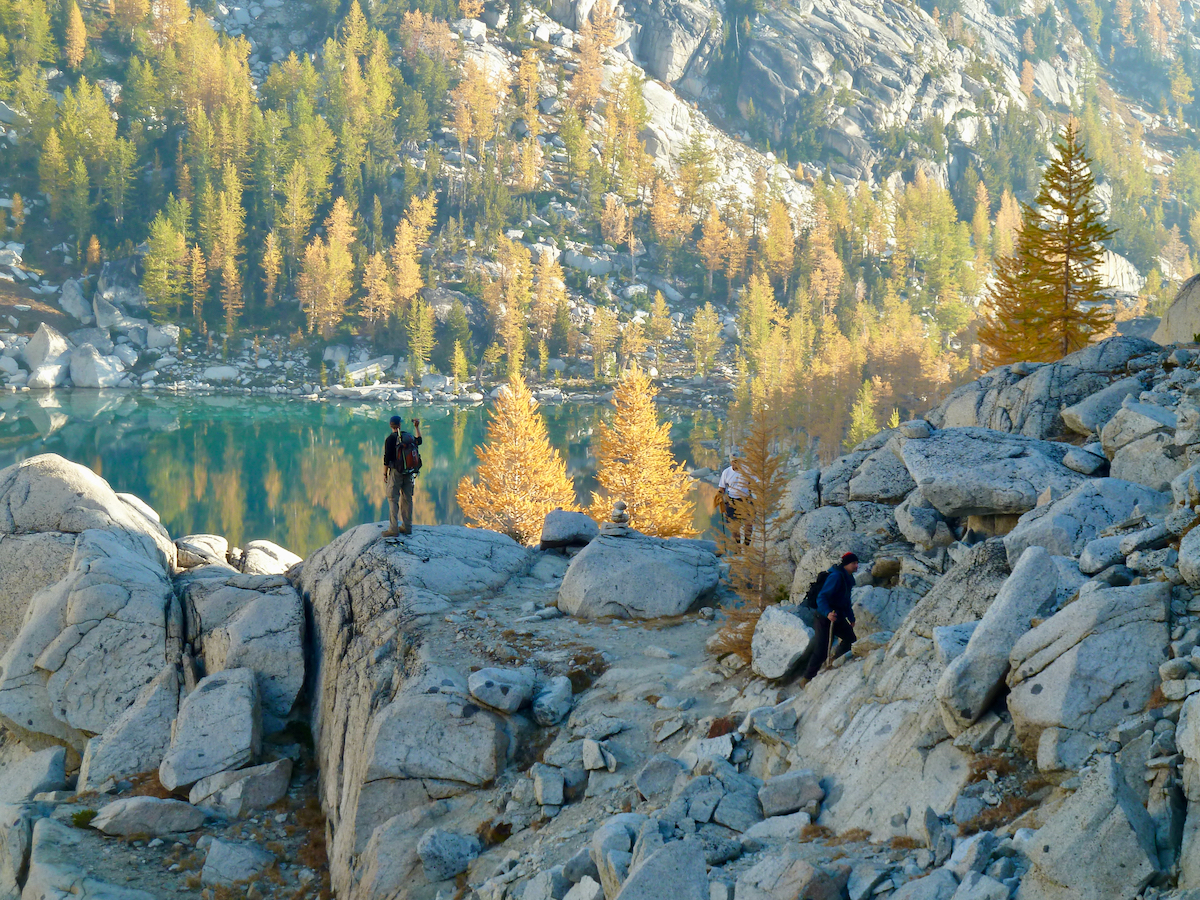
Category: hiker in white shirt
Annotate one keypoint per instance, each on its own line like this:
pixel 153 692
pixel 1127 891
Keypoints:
pixel 734 497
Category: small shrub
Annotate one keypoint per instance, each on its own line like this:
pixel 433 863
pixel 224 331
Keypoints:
pixel 83 818
pixel 736 635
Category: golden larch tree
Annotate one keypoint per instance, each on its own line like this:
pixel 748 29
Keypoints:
pixel 758 566
pixel 605 330
pixel 1047 299
pixel 634 463
pixel 714 241
pixel 520 476
pixel 272 265
pixel 704 339
pixel 378 301
pixel 76 36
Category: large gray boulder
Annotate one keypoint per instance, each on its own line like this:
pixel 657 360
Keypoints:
pixel 939 884
pixel 781 639
pixel 820 527
pixel 921 524
pixel 976 472
pixel 882 478
pixel 254 622
pixel 48 493
pixel 240 792
pixel 1091 414
pixel 91 369
pixel 46 347
pixel 16 834
pixel 202 550
pixel 138 739
pixel 73 303
pixel 1134 421
pixel 973 681
pixel 1155 461
pixel 1028 400
pixel 58 867
pixel 49 375
pixel 1092 664
pixel 565 528
pixel 218 728
pixel 1189 557
pixel 638 577
pixel 786 876
pixel 383 752
pixel 504 689
pixel 233 862
pixel 36 773
pixel 266 558
pixel 881 609
pixel 676 872
pixel 1066 525
pixel 147 815
pixel 29 563
pixel 445 854
pixel 1100 843
pixel 91 641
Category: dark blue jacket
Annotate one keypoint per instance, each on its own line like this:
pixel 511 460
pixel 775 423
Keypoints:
pixel 834 595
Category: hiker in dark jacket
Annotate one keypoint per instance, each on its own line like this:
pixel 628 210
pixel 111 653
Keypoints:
pixel 835 611
pixel 399 480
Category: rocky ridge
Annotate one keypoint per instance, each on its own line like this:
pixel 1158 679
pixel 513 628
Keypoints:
pixel 1017 719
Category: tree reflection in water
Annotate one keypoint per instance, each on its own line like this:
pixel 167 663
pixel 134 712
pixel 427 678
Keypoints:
pixel 297 473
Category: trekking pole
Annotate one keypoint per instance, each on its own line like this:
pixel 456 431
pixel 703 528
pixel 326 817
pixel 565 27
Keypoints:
pixel 828 650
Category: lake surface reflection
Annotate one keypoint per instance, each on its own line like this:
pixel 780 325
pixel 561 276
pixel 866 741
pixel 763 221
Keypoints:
pixel 292 471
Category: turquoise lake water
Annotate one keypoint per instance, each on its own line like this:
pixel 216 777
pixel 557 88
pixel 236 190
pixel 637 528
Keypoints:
pixel 296 472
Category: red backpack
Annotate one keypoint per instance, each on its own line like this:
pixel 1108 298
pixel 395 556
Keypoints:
pixel 408 455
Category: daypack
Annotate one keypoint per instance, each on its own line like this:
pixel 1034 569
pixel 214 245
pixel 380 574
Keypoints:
pixel 810 599
pixel 408 455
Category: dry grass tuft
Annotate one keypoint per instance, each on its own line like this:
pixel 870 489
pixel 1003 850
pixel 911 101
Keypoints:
pixel 1157 700
pixel 994 817
pixel 850 836
pixel 981 765
pixel 312 852
pixel 904 842
pixel 813 832
pixel 148 785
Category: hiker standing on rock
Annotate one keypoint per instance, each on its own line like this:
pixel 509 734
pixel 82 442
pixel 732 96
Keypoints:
pixel 401 462
pixel 734 499
pixel 834 611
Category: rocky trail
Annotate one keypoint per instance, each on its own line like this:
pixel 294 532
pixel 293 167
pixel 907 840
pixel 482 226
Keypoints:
pixel 455 715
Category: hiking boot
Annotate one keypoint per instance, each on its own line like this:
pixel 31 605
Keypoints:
pixel 803 682
pixel 390 533
pixel 406 531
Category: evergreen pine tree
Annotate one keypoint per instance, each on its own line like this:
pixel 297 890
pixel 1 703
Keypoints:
pixel 419 327
pixel 459 367
pixel 1046 302
pixel 560 331
pixel 634 463
pixel 863 423
pixel 705 338
pixel 520 476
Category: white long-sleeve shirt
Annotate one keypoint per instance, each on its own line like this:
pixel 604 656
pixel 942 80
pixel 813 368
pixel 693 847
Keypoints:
pixel 735 484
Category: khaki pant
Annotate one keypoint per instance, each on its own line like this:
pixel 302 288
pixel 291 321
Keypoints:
pixel 400 500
